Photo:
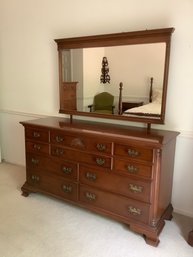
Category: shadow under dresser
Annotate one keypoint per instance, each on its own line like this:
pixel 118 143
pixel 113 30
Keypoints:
pixel 190 238
pixel 122 172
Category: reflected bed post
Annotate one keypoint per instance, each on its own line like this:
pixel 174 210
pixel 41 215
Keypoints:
pixel 120 98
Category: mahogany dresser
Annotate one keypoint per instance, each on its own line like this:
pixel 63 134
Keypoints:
pixel 122 172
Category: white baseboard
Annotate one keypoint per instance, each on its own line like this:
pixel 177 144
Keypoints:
pixel 182 212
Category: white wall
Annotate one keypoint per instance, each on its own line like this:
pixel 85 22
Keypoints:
pixel 29 75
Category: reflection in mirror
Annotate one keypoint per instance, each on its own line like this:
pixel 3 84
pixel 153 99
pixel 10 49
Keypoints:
pixel 133 65
pixel 105 77
pixel 133 57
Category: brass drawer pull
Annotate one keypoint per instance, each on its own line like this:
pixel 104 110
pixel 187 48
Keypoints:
pixel 36 134
pixel 135 188
pixel 134 211
pixel 132 152
pixel 67 188
pixel 132 169
pixel 58 151
pixel 66 170
pixel 35 161
pixel 90 196
pixel 100 161
pixel 101 147
pixel 35 178
pixel 36 147
pixel 91 176
pixel 59 139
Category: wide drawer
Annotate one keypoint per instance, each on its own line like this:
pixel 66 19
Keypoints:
pixel 81 142
pixel 62 168
pixel 37 134
pixel 128 167
pixel 52 185
pixel 137 153
pixel 114 204
pixel 83 157
pixel 35 147
pixel 135 189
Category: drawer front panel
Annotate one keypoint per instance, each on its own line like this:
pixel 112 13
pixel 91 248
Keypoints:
pixel 122 206
pixel 82 143
pixel 35 161
pixel 129 168
pixel 53 185
pixel 60 167
pixel 63 139
pixel 37 147
pixel 37 134
pixel 96 160
pixel 66 169
pixel 134 189
pixel 136 153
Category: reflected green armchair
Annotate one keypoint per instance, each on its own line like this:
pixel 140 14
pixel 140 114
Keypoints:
pixel 103 103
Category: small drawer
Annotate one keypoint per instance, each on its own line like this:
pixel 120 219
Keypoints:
pixel 114 204
pixel 78 156
pixel 136 189
pixel 130 168
pixel 56 186
pixel 37 134
pixel 35 147
pixel 137 153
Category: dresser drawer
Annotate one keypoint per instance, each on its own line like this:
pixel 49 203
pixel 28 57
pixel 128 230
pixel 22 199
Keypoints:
pixel 80 142
pixel 37 134
pixel 137 153
pixel 114 204
pixel 35 147
pixel 60 167
pixel 53 185
pixel 83 157
pixel 122 185
pixel 129 168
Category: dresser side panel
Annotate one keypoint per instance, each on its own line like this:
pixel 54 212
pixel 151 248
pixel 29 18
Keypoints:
pixel 166 176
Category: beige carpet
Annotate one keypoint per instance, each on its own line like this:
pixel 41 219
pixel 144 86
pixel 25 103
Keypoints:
pixel 41 226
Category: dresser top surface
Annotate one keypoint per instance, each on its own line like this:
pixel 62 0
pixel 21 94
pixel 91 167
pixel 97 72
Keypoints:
pixel 156 136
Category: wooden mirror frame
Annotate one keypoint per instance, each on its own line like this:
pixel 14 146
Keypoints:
pixel 117 39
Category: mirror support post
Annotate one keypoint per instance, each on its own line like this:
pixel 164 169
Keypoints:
pixel 148 126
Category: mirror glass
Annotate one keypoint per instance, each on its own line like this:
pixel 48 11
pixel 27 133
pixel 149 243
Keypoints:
pixel 138 66
pixel 133 65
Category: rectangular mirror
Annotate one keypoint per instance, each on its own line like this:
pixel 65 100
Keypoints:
pixel 138 61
